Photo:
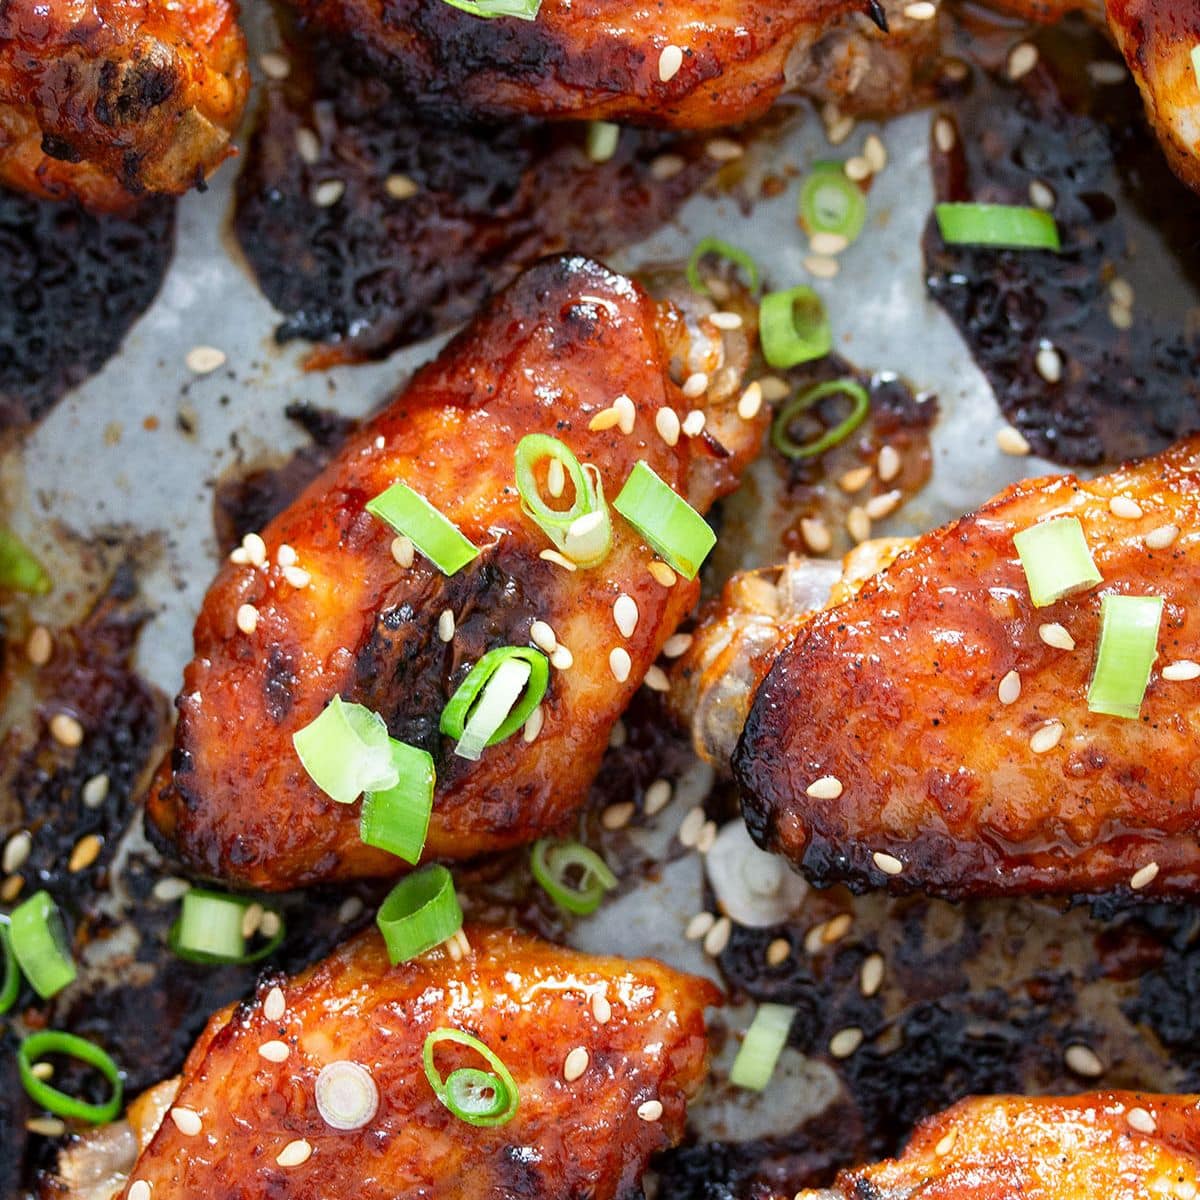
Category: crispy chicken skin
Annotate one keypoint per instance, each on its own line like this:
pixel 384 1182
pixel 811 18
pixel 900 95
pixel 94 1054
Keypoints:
pixel 1048 1148
pixel 530 1002
pixel 599 59
pixel 104 100
pixel 550 353
pixel 894 693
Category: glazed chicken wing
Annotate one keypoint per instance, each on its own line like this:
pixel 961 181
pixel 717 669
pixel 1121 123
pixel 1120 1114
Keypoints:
pixel 549 356
pixel 105 100
pixel 1115 1145
pixel 244 1122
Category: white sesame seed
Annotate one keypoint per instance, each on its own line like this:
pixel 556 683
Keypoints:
pixel 814 939
pixel 247 618
pixel 270 924
pixel 887 465
pixel 1022 59
pixel 50 1127
pixel 657 797
pixel 625 614
pixel 750 401
pixel 821 265
pixel 1121 290
pixel 1042 194
pixel 779 950
pixel 294 1154
pixel 606 418
pixel 722 149
pixel 251 919
pixel 533 724
pixel 855 479
pixel 187 1121
pixel 651 1110
pixel 171 888
pixel 1010 688
pixel 857 168
pixel 946 1144
pixel 1120 316
pixel 445 625
pixel 66 730
pixel 858 524
pixel 286 555
pixel 1103 70
pixel 920 10
pixel 693 423
pixel 274 1006
pixel 42 1070
pixel 1181 671
pixel 559 560
pixel 1141 1121
pixel 656 679
pixel 717 938
pixel 706 837
pixel 601 1009
pixel 139 1189
pixel 1056 635
pixel 725 321
pixel 328 192
pixel 827 244
pixel 298 577
pixel 1047 737
pixel 403 551
pixel 699 925
pixel 677 645
pixel 836 928
pixel 669 62
pixel 666 421
pixel 618 735
pixel 871 978
pixel 542 636
pixel 239 556
pixel 690 826
pixel 575 1064
pixel 1143 876
pixel 666 166
pixel 308 145
pixel 95 791
pixel 1012 441
pixel 816 534
pixel 662 573
pixel 1049 363
pixel 39 646
pixel 16 852
pixel 883 505
pixel 828 787
pixel 1083 1061
pixel 400 187
pixel 774 388
pixel 619 663
pixel 889 864
pixel 562 659
pixel 696 384
pixel 626 412
pixel 944 134
pixel 1162 537
pixel 203 360
pixel 845 1042
pixel 274 66
pixel 350 909
pixel 255 548
pixel 274 1051
pixel 1125 507
pixel 875 152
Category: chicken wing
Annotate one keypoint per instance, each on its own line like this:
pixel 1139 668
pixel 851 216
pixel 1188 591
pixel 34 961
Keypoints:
pixel 1119 1145
pixel 105 100
pixel 549 355
pixel 248 1089
pixel 933 775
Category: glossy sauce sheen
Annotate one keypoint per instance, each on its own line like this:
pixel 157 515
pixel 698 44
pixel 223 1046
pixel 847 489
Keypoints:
pixel 548 354
pixel 895 694
pixel 106 99
pixel 529 1001
pixel 1052 1148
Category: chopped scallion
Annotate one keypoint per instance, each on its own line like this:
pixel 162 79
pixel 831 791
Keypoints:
pixel 556 864
pixel 860 405
pixel 1056 560
pixel 562 525
pixel 526 10
pixel 346 751
pixel 763 1044
pixel 396 819
pixel 721 249
pixel 477 1097
pixel 506 701
pixel 210 930
pixel 672 527
pixel 420 912
pixel 831 203
pixel 1010 226
pixel 10 988
pixel 434 535
pixel 39 941
pixel 1128 646
pixel 793 327
pixel 602 140
pixel 19 570
pixel 35 1047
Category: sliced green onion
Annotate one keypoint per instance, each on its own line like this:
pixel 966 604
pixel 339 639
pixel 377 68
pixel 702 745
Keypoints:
pixel 475 1096
pixel 1128 646
pixel 553 865
pixel 19 570
pixel 346 751
pixel 35 1047
pixel 763 1044
pixel 712 245
pixel 565 527
pixel 793 327
pixel 831 203
pixel 39 942
pixel 396 819
pixel 672 527
pixel 861 405
pixel 602 140
pixel 346 1094
pixel 487 719
pixel 437 537
pixel 527 10
pixel 1056 560
pixel 209 930
pixel 1012 226
pixel 11 986
pixel 420 912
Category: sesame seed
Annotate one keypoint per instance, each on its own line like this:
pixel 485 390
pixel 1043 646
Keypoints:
pixel 699 925
pixel 328 192
pixel 870 980
pixel 855 479
pixel 690 826
pixel 286 555
pixel 887 465
pixel 1105 71
pixel 707 837
pixel 203 360
pixel 350 909
pixel 10 889
pixel 619 663
pixel 774 388
pixel 750 401
pixel 875 152
pixel 1010 688
pixel 298 577
pixel 238 555
pixel 1022 59
pixel 725 321
pixel 400 187
pixel 827 244
pixel 1056 635
pixel 666 166
pixel 1012 441
pixel 857 168
pixel 187 1121
pixel 1047 737
pixel 95 791
pixel 274 1051
pixel 946 1144
pixel 1083 1061
pixel 39 646
pixel 814 939
pixel 294 1154
pixel 656 679
pixel 618 735
pixel 50 1127
pixel 251 919
pixel 651 1110
pixel 828 787
pixel 838 125
pixel 778 952
pixel 625 614
pixel 66 730
pixel 606 418
pixel 559 560
pixel 533 724
pixel 1049 363
pixel 542 636
pixel 575 1064
pixel 16 852
pixel 693 423
pixel 858 524
pixel 562 659
pixel 42 1070
pixel 662 573
pixel 696 384
pixel 1121 290
pixel 86 851
pixel 920 10
pixel 1141 1121
pixel 1120 316
pixel 821 265
pixel 139 1189
pixel 717 938
pixel 255 548
pixel 601 1009
pixel 1125 508
pixel 657 797
pixel 816 534
pixel 944 134
pixel 246 618
pixel 669 62
pixel 274 66
pixel 1181 671
pixel 722 149
pixel 677 645
pixel 308 146
pixel 617 816
pixel 270 924
pixel 882 505
pixel 666 421
pixel 274 1005
pixel 171 888
pixel 445 625
pixel 626 412
pixel 889 864
pixel 845 1042
pixel 836 928
pixel 403 550
pixel 1143 876
pixel 1042 194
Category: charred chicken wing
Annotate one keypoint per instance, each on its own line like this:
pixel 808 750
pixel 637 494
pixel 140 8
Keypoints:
pixel 323 608
pixel 105 100
pixel 1119 1145
pixel 248 1119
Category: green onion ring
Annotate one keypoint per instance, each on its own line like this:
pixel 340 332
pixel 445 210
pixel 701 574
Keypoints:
pixel 461 1091
pixel 850 388
pixel 50 1041
pixel 456 713
pixel 793 327
pixel 589 496
pixel 11 987
pixel 187 929
pixel 722 249
pixel 1005 226
pixel 1056 559
pixel 19 569
pixel 1128 646
pixel 550 861
pixel 39 942
pixel 420 912
pixel 831 203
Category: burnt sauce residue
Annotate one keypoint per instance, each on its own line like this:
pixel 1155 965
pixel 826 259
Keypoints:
pixel 71 285
pixel 1130 377
pixel 369 228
